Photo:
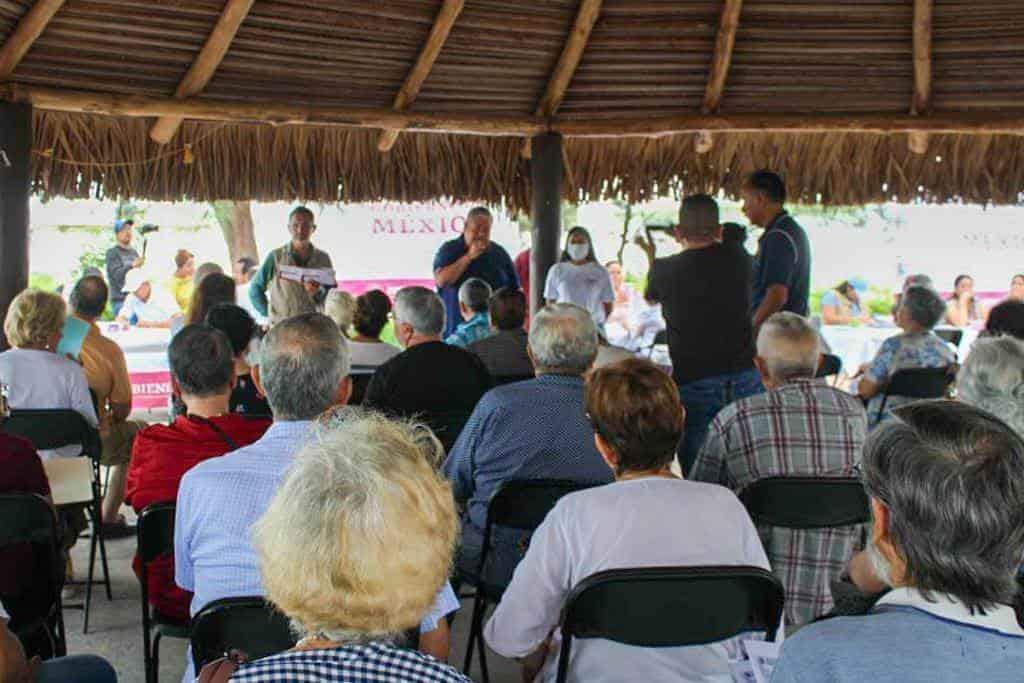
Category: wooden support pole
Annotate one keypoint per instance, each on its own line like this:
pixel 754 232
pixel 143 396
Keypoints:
pixel 921 106
pixel 568 61
pixel 15 151
pixel 206 63
pixel 721 59
pixel 25 34
pixel 546 174
pixel 436 39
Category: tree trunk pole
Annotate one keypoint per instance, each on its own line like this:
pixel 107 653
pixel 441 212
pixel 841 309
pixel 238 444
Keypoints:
pixel 546 174
pixel 15 178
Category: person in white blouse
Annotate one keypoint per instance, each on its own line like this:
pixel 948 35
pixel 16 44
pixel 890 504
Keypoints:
pixel 648 517
pixel 579 279
pixel 37 378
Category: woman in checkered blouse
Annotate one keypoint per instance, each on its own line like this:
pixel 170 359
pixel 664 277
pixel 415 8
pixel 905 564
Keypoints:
pixel 354 548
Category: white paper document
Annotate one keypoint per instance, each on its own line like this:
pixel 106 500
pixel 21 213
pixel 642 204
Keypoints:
pixel 323 276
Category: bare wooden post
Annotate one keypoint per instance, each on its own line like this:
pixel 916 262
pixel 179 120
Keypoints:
pixel 546 174
pixel 720 61
pixel 15 148
pixel 922 104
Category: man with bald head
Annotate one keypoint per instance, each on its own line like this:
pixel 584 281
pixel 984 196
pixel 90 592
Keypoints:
pixel 799 427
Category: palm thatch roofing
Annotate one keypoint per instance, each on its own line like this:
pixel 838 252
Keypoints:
pixel 852 100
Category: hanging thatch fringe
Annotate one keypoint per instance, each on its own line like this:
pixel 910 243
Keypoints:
pixel 241 161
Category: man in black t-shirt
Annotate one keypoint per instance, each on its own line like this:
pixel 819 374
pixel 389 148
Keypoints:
pixel 704 293
pixel 430 380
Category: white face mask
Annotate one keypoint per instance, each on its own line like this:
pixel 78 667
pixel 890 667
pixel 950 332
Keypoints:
pixel 578 252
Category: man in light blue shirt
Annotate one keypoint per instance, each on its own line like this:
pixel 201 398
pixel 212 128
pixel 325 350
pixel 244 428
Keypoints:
pixel 474 307
pixel 946 482
pixel 303 370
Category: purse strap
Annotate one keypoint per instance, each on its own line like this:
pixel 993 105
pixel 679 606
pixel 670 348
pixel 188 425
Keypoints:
pixel 221 670
pixel 220 432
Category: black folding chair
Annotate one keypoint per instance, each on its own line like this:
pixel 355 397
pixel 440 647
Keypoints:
pixel 670 607
pixel 246 624
pixel 49 429
pixel 807 502
pixel 919 383
pixel 361 376
pixel 950 335
pixel 829 365
pixel 155 533
pixel 26 518
pixel 521 505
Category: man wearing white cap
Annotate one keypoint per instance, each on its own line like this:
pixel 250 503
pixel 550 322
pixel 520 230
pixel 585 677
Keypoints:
pixel 139 308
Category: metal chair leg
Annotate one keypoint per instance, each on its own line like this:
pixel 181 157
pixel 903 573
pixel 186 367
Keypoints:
pixel 147 653
pixel 473 620
pixel 92 566
pixel 156 656
pixel 482 647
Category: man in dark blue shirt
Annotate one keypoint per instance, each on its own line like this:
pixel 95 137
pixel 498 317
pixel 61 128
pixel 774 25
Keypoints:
pixel 782 266
pixel 471 255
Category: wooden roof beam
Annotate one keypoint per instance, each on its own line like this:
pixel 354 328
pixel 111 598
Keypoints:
pixel 721 60
pixel 568 61
pixel 209 58
pixel 28 30
pixel 922 104
pixel 410 89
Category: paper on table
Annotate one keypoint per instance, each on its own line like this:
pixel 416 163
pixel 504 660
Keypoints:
pixel 742 671
pixel 763 655
pixel 323 276
pixel 72 336
pixel 70 480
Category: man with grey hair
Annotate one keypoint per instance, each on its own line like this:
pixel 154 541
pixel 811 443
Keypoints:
pixel 800 427
pixel 705 294
pixel 535 429
pixel 474 304
pixel 433 381
pixel 992 378
pixel 946 484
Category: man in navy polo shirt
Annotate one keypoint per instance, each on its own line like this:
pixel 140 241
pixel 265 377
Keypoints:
pixel 782 266
pixel 471 255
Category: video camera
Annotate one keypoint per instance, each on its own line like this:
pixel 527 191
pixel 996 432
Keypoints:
pixel 148 228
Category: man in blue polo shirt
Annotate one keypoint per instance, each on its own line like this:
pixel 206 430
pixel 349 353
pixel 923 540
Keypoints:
pixel 946 484
pixel 471 255
pixel 782 266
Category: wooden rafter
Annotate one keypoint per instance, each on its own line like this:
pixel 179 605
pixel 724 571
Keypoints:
pixel 410 89
pixel 29 28
pixel 720 62
pixel 572 52
pixel 205 64
pixel 922 103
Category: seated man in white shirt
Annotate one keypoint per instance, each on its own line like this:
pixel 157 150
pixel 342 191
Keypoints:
pixel 139 308
pixel 648 517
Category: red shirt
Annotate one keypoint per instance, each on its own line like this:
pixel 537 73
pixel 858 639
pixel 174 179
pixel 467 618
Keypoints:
pixel 161 455
pixel 21 471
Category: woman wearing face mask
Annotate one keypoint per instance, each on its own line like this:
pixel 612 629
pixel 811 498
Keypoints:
pixel 579 279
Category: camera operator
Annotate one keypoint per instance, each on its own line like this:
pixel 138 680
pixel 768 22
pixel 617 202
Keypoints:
pixel 121 258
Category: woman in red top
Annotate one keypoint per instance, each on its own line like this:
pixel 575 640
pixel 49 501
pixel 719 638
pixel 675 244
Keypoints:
pixel 203 376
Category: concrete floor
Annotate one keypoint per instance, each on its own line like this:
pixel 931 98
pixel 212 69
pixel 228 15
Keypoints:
pixel 115 629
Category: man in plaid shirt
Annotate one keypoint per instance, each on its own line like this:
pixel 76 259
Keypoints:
pixel 800 426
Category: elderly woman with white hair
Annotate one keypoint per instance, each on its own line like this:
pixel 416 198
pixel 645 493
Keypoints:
pixel 353 549
pixel 992 378
pixel 340 306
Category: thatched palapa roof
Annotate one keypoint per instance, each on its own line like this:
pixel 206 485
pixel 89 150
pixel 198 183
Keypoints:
pixel 854 100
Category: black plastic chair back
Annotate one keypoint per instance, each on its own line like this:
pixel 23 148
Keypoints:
pixel 246 624
pixel 919 383
pixel 952 336
pixel 829 365
pixel 670 607
pixel 49 429
pixel 807 502
pixel 524 503
pixel 155 531
pixel 360 383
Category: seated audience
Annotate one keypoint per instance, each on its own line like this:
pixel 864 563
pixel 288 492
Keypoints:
pixel 368 320
pixel 946 483
pixel 213 289
pixel 474 298
pixel 1006 318
pixel 340 306
pixel 106 371
pixel 647 518
pixel 15 667
pixel 1016 292
pixel 140 308
pixel 303 371
pixel 205 269
pixel 992 378
pixel 626 299
pixel 917 347
pixel 202 374
pixel 504 351
pixel 798 427
pixel 918 280
pixel 964 308
pixel 535 429
pixel 608 353
pixel 181 283
pixel 841 306
pixel 241 330
pixel 363 488
pixel 439 382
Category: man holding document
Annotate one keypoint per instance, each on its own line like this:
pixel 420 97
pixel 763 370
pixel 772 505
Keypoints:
pixel 295 278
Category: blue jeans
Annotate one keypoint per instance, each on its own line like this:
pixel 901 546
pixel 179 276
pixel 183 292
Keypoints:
pixel 703 399
pixel 76 669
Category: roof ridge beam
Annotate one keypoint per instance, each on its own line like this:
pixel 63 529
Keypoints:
pixel 410 89
pixel 205 65
pixel 572 52
pixel 721 60
pixel 922 102
pixel 25 34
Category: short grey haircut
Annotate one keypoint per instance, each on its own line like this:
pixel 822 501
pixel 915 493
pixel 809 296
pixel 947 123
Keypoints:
pixel 563 339
pixel 302 362
pixel 923 305
pixel 952 479
pixel 475 294
pixel 918 280
pixel 340 306
pixel 789 346
pixel 421 308
pixel 992 378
